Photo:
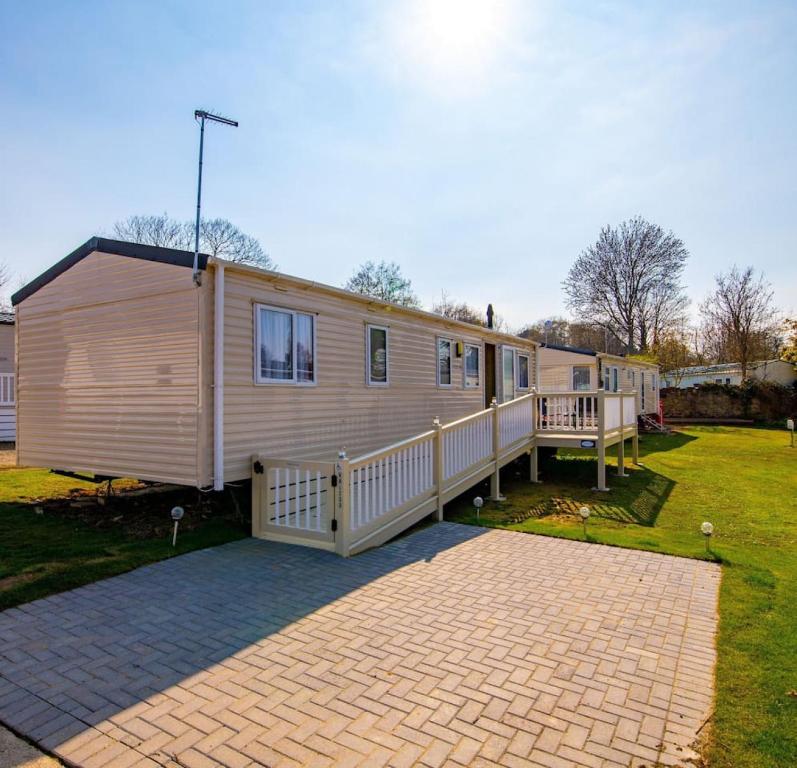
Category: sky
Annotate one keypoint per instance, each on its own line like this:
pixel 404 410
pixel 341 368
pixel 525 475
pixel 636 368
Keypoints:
pixel 481 145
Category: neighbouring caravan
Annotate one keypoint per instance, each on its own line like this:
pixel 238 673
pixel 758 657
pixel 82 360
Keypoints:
pixel 8 413
pixel 571 369
pixel 121 360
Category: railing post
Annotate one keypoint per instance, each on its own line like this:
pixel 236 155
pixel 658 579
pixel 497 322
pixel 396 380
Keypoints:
pixel 439 466
pixel 621 445
pixel 495 479
pixel 602 441
pixel 343 504
pixel 533 454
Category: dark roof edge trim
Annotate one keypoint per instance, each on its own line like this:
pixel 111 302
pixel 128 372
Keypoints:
pixel 115 247
pixel 565 348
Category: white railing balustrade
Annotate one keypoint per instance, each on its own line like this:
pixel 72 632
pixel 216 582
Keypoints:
pixel 515 420
pixel 571 412
pixel 612 416
pixel 298 499
pixel 7 389
pixel 390 479
pixel 355 504
pixel 629 409
pixel 467 442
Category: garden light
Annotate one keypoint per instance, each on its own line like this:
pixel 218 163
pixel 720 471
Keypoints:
pixel 584 513
pixel 478 502
pixel 177 515
pixel 790 427
pixel 707 529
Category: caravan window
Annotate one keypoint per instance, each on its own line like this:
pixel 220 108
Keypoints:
pixel 615 384
pixel 444 362
pixel 376 356
pixel 472 366
pixel 522 371
pixel 581 378
pixel 284 346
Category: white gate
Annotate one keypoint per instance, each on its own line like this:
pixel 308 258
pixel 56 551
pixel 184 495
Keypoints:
pixel 294 501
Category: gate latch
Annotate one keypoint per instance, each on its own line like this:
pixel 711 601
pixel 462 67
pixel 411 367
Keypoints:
pixel 334 525
pixel 258 467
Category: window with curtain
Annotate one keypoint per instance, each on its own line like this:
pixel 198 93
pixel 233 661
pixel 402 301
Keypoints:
pixel 581 378
pixel 522 371
pixel 472 366
pixel 285 346
pixel 377 362
pixel 444 362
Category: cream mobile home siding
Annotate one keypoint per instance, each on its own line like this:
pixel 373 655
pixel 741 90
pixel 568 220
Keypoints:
pixel 556 369
pixel 340 410
pixel 109 370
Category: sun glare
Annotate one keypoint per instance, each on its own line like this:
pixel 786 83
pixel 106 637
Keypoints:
pixel 452 41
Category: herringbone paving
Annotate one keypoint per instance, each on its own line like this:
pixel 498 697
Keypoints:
pixel 453 646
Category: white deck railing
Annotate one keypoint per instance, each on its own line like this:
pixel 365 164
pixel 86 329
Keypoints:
pixel 7 389
pixel 358 503
pixel 568 412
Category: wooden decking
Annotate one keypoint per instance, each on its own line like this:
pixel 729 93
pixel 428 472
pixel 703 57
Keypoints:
pixel 351 504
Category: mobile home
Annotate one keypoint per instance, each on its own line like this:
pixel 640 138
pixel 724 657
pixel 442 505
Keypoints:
pixel 564 368
pixel 8 413
pixel 353 417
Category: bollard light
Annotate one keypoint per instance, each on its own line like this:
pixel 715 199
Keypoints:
pixel 478 502
pixel 707 529
pixel 584 514
pixel 790 427
pixel 177 516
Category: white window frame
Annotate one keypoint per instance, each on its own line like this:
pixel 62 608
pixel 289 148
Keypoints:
pixel 261 380
pixel 386 329
pixel 518 355
pixel 465 384
pixel 450 343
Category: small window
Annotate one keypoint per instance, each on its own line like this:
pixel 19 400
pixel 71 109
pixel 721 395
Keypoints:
pixel 377 355
pixel 522 371
pixel 444 362
pixel 727 381
pixel 653 381
pixel 607 379
pixel 472 366
pixel 581 378
pixel 615 383
pixel 285 346
pixel 508 382
pixel 718 381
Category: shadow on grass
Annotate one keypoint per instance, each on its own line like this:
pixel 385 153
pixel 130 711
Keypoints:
pixel 567 484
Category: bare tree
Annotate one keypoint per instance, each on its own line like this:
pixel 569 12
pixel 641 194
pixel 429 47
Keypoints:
pixel 217 237
pixel 739 317
pixel 629 281
pixel 5 276
pixel 458 311
pixel 152 230
pixel 673 354
pixel 383 281
pixel 555 330
pixel 789 350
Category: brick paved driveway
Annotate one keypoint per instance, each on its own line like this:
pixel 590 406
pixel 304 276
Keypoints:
pixel 452 646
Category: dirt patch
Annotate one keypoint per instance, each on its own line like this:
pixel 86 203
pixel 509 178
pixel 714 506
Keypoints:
pixel 143 511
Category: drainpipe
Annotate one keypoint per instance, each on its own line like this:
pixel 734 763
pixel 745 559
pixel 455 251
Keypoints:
pixel 218 379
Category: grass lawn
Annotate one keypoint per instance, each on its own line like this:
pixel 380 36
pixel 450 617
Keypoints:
pixel 745 482
pixel 60 548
